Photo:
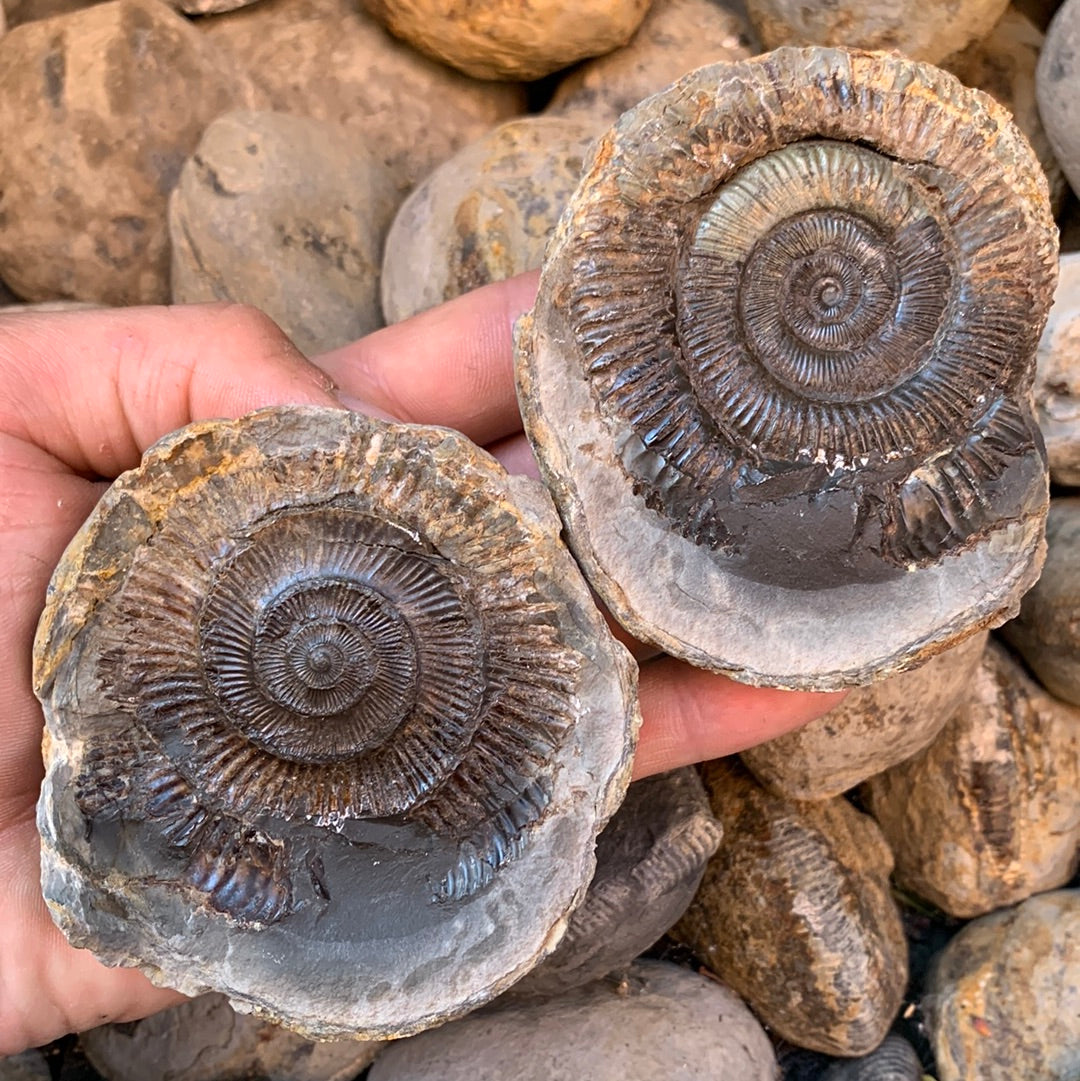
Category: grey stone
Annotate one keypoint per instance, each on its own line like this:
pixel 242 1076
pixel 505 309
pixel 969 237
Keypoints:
pixel 287 214
pixel 661 1021
pixel 484 215
pixel 1057 86
pixel 205 1039
pixel 1003 998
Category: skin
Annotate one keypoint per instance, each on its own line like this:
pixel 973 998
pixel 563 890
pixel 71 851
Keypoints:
pixel 82 394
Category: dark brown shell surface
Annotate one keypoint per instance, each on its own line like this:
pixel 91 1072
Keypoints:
pixel 332 722
pixel 779 369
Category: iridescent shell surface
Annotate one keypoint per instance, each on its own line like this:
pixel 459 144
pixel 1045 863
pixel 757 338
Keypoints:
pixel 778 374
pixel 332 722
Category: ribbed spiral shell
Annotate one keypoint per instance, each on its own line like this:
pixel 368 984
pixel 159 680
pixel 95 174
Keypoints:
pixel 320 658
pixel 893 1060
pixel 808 277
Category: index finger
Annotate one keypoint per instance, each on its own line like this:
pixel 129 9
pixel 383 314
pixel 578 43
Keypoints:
pixel 452 365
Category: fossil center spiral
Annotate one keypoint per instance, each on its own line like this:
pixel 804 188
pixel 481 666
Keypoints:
pixel 832 261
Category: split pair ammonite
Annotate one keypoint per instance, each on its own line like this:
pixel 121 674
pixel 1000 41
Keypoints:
pixel 332 721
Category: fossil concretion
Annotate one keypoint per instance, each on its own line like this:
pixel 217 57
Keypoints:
pixel 1047 630
pixel 989 813
pixel 332 722
pixel 778 371
pixel 795 915
pixel 874 727
pixel 649 863
pixel 205 1039
pixel 1003 998
pixel 894 1059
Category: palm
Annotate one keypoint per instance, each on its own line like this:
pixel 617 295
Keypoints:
pixel 82 395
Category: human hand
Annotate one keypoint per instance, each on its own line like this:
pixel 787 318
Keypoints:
pixel 83 394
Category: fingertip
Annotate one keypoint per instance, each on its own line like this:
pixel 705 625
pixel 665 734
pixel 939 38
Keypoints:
pixel 690 715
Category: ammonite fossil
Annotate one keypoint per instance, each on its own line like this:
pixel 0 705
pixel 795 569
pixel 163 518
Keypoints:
pixel 333 722
pixel 778 372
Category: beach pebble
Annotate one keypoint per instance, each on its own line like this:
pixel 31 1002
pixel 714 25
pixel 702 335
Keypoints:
pixel 288 214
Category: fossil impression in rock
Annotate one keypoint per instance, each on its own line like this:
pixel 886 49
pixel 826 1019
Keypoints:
pixel 778 371
pixel 332 722
pixel 922 31
pixel 989 813
pixel 660 1021
pixel 874 727
pixel 1047 630
pixel 649 863
pixel 795 915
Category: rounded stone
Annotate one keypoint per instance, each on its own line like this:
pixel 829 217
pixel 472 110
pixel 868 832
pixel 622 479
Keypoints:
pixel 874 728
pixel 990 813
pixel 1057 376
pixel 502 39
pixel 795 914
pixel 484 215
pixel 649 863
pixel 921 31
pixel 287 214
pixel 1003 65
pixel 1003 998
pixel 328 60
pixel 364 848
pixel 659 1021
pixel 92 142
pixel 1057 84
pixel 1047 630
pixel 205 1039
pixel 675 37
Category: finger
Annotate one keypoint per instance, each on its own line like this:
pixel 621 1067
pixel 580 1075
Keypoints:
pixel 690 715
pixel 96 388
pixel 451 365
pixel 516 456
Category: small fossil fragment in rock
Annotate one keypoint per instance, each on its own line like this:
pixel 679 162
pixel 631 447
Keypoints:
pixel 649 863
pixel 795 914
pixel 675 37
pixel 332 722
pixel 1057 376
pixel 1047 631
pixel 661 1021
pixel 872 729
pixel 1003 1001
pixel 894 1059
pixel 920 30
pixel 505 39
pixel 205 1039
pixel 484 215
pixel 990 813
pixel 778 372
pixel 290 215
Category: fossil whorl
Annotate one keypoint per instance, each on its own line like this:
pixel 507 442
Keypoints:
pixel 781 358
pixel 324 701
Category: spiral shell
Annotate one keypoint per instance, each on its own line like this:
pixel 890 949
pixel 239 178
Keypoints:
pixel 781 357
pixel 317 686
